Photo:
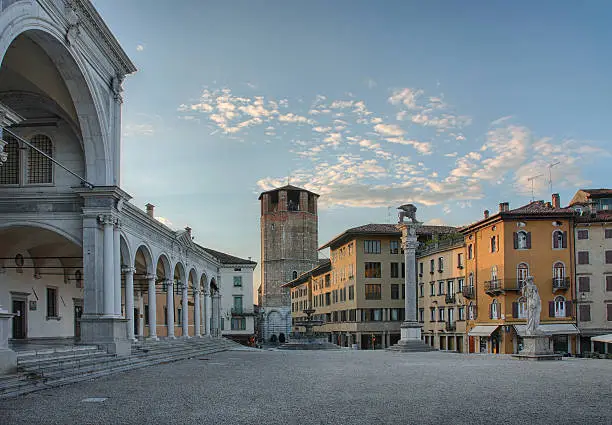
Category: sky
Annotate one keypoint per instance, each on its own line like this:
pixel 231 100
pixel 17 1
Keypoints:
pixel 452 106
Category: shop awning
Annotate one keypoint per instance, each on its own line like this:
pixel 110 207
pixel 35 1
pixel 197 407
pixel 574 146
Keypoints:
pixel 603 338
pixel 554 329
pixel 482 330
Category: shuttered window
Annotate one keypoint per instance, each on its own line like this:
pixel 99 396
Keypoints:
pixel 608 257
pixel 609 283
pixel 585 313
pixel 609 307
pixel 584 284
pixel 583 257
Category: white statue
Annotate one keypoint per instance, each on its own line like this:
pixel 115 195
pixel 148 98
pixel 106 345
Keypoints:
pixel 534 306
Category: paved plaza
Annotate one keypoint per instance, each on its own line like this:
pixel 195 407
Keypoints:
pixel 331 387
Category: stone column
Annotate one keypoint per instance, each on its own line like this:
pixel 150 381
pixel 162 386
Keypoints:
pixel 152 309
pixel 410 329
pixel 207 312
pixel 170 307
pixel 108 261
pixel 117 267
pixel 141 315
pixel 196 313
pixel 186 310
pixel 202 313
pixel 129 301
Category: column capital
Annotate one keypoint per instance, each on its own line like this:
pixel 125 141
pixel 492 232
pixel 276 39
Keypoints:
pixel 150 277
pixel 128 270
pixel 206 293
pixel 106 219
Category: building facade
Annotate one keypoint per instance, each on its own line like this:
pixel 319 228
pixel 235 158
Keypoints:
pixel 501 251
pixel 289 238
pixel 78 259
pixel 441 303
pixel 360 293
pixel 593 239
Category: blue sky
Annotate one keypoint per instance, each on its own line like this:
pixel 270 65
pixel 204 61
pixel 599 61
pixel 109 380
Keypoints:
pixel 449 105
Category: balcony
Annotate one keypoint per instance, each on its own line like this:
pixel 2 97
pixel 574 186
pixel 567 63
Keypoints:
pixel 560 283
pixel 450 326
pixel 494 287
pixel 514 284
pixel 468 291
pixel 450 298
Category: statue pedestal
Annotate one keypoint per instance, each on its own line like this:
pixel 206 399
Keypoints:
pixel 537 347
pixel 411 339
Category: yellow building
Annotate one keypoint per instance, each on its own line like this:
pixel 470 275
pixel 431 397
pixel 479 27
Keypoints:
pixel 441 282
pixel 501 251
pixel 360 296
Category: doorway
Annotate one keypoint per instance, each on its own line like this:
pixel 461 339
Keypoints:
pixel 78 312
pixel 136 322
pixel 19 319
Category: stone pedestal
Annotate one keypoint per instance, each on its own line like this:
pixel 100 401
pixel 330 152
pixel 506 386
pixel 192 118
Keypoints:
pixel 8 358
pixel 108 333
pixel 411 339
pixel 537 347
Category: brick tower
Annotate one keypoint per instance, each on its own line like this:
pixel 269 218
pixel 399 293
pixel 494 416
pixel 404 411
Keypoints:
pixel 289 242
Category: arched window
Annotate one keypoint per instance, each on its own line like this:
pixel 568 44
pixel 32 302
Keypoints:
pixel 559 306
pixel 522 271
pixel 522 308
pixel 521 239
pixel 494 310
pixel 471 280
pixel 559 271
pixel 10 170
pixel 40 168
pixel 471 312
pixel 558 239
pixel 470 252
pixel 494 274
pixel 294 275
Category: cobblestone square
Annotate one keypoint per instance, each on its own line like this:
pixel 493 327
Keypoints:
pixel 331 387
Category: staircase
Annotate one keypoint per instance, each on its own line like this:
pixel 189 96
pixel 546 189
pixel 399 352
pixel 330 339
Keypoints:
pixel 60 366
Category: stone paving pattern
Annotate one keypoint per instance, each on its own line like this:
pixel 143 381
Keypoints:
pixel 332 387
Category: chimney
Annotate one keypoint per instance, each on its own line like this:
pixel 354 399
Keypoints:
pixel 188 229
pixel 150 210
pixel 556 200
pixel 486 214
pixel 504 207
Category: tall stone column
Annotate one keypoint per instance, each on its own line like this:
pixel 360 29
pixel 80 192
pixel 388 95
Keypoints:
pixel 117 266
pixel 129 301
pixel 185 310
pixel 410 329
pixel 202 313
pixel 152 309
pixel 196 312
pixel 108 260
pixel 141 321
pixel 170 307
pixel 207 312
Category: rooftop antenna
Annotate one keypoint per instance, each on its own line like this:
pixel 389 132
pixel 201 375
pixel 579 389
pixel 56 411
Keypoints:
pixel 532 179
pixel 550 175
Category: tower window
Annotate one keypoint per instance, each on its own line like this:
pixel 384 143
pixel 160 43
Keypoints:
pixel 40 168
pixel 9 171
pixel 294 275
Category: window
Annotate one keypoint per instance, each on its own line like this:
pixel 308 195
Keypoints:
pixel 471 280
pixel 470 252
pixel 471 312
pixel 237 308
pixel 238 324
pixel 350 248
pixel 608 257
pixel 460 283
pixel 520 311
pixel 432 264
pixel 372 270
pixel 351 292
pixel 494 310
pixel 403 291
pixel 421 290
pixel 371 247
pixel 461 313
pixel 450 287
pixel 394 247
pixel 441 314
pixel 522 271
pixel 327 280
pixel 432 289
pixel 372 291
pixel 558 274
pixel 40 168
pixel 494 274
pixel 237 280
pixel 294 275
pixel 582 234
pixel 440 264
pixel 10 170
pixel 585 313
pixel 609 312
pixel 395 291
pixel 583 257
pixel 607 232
pixel 584 284
pixel 441 287
pixel 432 314
pixel 559 307
pixel 522 240
pixel 421 269
pixel 327 298
pixel 394 270
pixel 559 239
pixel 421 315
pixel 403 270
pixel 609 283
pixel 459 260
pixel 494 244
pixel 52 303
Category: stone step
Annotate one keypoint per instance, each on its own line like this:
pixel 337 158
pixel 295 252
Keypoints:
pixel 53 352
pixel 59 358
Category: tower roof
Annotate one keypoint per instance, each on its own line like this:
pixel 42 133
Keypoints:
pixel 287 187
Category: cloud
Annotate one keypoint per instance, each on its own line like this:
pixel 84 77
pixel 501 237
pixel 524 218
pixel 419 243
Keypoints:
pixel 132 129
pixel 371 83
pixel 140 47
pixel 500 120
pixel 444 122
pixel 389 130
pixel 165 222
pixel 408 97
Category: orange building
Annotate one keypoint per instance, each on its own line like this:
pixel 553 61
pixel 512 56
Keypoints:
pixel 501 251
